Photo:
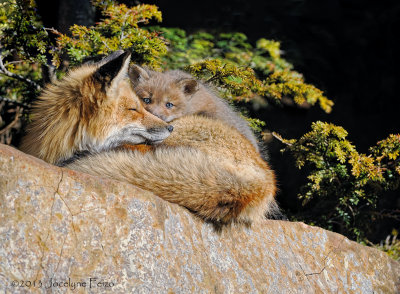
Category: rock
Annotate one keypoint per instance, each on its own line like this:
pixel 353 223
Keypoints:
pixel 63 231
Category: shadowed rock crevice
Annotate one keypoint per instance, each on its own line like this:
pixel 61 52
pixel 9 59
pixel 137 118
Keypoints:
pixel 67 226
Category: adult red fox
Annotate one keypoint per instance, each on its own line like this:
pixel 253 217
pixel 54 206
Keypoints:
pixel 92 109
pixel 203 164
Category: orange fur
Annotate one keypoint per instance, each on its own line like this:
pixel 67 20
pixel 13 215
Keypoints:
pixel 204 165
pixel 141 148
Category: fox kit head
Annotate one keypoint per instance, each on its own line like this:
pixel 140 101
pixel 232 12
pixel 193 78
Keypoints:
pixel 163 94
pixel 92 109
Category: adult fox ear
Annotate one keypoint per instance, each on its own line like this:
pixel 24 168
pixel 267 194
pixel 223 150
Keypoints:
pixel 113 70
pixel 110 57
pixel 189 86
pixel 137 74
pixel 100 60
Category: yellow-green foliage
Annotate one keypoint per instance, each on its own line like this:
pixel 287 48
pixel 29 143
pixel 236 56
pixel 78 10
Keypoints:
pixel 283 83
pixel 391 245
pixel 119 29
pixel 239 69
pixel 387 154
pixel 281 80
pixel 21 36
pixel 344 186
pixel 20 31
pixel 17 90
pixel 234 82
pixel 256 124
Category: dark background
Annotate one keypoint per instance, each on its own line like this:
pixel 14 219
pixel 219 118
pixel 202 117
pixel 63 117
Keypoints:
pixel 346 48
pixel 349 49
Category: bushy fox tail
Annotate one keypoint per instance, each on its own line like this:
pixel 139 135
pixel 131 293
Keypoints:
pixel 216 189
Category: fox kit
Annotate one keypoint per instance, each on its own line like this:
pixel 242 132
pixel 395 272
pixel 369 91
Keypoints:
pixel 173 94
pixel 204 164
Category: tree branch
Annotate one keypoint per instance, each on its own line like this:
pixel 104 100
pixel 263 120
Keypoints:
pixel 6 72
pixel 15 102
pixel 16 118
pixel 279 138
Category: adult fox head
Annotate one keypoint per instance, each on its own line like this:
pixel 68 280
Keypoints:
pixel 92 109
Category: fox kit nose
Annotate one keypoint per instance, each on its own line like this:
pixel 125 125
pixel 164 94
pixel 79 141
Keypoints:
pixel 170 128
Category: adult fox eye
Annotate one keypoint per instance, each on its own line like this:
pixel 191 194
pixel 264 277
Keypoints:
pixel 169 105
pixel 146 100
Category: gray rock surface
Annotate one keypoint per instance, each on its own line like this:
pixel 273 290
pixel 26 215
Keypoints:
pixel 67 232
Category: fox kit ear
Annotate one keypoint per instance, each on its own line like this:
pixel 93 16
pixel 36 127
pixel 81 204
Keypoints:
pixel 137 74
pixel 114 69
pixel 189 86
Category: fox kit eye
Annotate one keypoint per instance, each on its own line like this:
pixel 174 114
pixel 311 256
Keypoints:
pixel 147 100
pixel 169 105
pixel 133 109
